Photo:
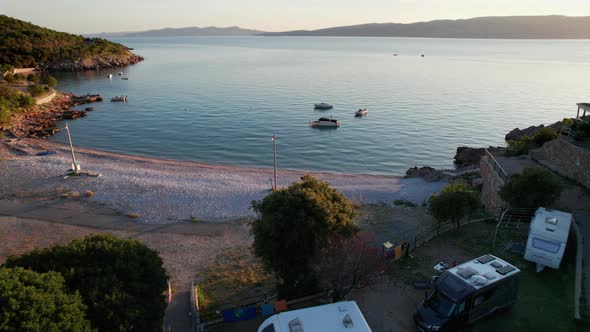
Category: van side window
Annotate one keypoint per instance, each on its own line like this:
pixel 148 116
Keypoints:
pixel 270 328
pixel 460 308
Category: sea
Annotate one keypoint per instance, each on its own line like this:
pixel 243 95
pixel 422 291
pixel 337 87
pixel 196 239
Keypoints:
pixel 220 100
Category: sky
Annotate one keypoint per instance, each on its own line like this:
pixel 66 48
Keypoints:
pixel 92 16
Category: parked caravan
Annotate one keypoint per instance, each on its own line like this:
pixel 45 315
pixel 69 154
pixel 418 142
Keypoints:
pixel 548 236
pixel 335 317
pixel 467 293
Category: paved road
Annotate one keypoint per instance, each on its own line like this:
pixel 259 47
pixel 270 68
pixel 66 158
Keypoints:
pixel 583 221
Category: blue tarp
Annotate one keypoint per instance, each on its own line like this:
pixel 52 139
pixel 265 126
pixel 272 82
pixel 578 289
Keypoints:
pixel 267 309
pixel 236 315
pixel 46 153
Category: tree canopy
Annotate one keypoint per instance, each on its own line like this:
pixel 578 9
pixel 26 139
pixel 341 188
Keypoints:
pixel 533 188
pixel 122 282
pixel 24 44
pixel 31 301
pixel 455 202
pixel 293 223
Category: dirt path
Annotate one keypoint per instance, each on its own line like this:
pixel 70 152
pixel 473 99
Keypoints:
pixel 185 248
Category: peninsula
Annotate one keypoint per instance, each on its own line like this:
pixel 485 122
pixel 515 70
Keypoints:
pixel 24 45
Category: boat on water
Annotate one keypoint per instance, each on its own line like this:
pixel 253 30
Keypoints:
pixel 325 122
pixel 120 73
pixel 323 106
pixel 361 112
pixel 110 75
pixel 125 78
pixel 119 98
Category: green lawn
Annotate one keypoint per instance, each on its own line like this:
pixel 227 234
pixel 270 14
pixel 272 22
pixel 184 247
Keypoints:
pixel 546 299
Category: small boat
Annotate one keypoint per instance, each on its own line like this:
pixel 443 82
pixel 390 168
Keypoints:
pixel 361 112
pixel 120 73
pixel 325 122
pixel 323 106
pixel 125 78
pixel 110 75
pixel 119 98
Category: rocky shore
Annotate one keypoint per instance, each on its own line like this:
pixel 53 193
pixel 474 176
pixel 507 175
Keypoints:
pixel 40 121
pixel 99 62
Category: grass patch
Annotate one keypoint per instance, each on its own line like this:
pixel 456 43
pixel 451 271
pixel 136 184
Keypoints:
pixel 236 278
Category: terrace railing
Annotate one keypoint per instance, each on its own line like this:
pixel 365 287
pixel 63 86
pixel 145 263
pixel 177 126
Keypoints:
pixel 496 166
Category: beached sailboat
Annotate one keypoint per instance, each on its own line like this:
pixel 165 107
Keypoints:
pixel 325 122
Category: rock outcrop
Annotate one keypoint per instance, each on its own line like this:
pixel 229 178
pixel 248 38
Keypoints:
pixel 98 62
pixel 517 133
pixel 429 174
pixel 467 156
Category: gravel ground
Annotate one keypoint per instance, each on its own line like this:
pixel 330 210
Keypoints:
pixel 166 191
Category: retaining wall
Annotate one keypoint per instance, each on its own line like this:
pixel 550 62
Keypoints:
pixel 570 160
pixel 491 185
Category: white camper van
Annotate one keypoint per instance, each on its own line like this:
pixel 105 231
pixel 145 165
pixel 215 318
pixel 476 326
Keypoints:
pixel 334 317
pixel 548 236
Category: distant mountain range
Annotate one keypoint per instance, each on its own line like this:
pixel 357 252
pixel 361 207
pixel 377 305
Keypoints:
pixel 501 27
pixel 177 32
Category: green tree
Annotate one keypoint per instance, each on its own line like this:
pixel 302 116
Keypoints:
pixel 456 201
pixel 293 224
pixel 31 301
pixel 50 81
pixel 533 188
pixel 121 281
pixel 36 90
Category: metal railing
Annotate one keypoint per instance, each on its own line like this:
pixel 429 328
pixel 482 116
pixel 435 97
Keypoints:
pixel 513 217
pixel 496 166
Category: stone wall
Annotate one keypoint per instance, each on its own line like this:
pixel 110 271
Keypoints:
pixel 491 185
pixel 569 160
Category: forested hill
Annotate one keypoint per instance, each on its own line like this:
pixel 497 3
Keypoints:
pixel 23 44
pixel 501 27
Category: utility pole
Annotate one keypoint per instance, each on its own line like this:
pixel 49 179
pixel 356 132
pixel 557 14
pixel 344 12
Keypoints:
pixel 274 143
pixel 75 166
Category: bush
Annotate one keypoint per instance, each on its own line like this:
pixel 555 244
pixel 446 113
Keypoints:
pixel 50 81
pixel 520 147
pixel 293 224
pixel 533 188
pixel 544 135
pixel 19 77
pixel 32 301
pixel 36 90
pixel 121 281
pixel 455 202
pixel 32 78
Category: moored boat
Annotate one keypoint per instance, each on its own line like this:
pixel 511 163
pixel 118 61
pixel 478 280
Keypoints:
pixel 361 112
pixel 323 106
pixel 110 75
pixel 119 98
pixel 325 122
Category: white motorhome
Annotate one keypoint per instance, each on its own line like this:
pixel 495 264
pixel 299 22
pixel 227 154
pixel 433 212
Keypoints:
pixel 334 317
pixel 548 236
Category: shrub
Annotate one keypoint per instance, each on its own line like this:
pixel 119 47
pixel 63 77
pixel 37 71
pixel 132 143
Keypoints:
pixel 520 147
pixel 32 78
pixel 293 224
pixel 455 202
pixel 533 188
pixel 50 81
pixel 36 90
pixel 544 135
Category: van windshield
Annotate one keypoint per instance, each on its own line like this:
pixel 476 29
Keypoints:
pixel 440 303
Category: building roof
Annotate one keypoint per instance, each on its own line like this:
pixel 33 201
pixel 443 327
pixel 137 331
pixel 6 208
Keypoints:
pixel 551 224
pixel 482 271
pixel 584 105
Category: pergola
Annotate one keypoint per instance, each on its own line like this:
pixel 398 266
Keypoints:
pixel 583 106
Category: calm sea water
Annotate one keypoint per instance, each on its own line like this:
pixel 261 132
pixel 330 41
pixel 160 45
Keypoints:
pixel 219 100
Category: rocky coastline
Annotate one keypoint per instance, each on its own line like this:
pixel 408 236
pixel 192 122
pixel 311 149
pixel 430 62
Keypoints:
pixel 94 63
pixel 41 121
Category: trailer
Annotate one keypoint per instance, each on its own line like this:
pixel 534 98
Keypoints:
pixel 548 234
pixel 335 317
pixel 467 293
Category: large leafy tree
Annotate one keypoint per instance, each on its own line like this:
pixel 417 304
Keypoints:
pixel 121 281
pixel 293 224
pixel 456 201
pixel 533 188
pixel 31 301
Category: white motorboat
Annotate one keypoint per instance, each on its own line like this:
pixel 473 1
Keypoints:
pixel 120 73
pixel 361 112
pixel 325 122
pixel 110 75
pixel 323 106
pixel 119 98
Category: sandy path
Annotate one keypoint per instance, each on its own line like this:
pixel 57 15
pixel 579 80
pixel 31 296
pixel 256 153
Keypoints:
pixel 165 191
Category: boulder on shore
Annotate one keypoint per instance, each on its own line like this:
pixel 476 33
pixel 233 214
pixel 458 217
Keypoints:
pixel 429 174
pixel 467 156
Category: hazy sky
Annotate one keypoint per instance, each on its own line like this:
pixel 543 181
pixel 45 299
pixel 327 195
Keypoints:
pixel 84 16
